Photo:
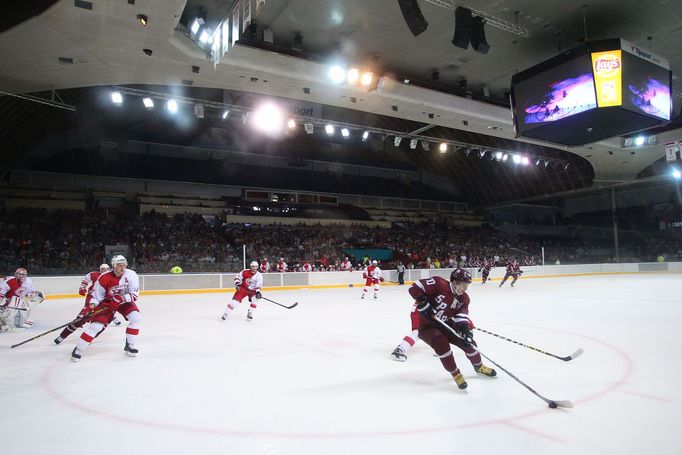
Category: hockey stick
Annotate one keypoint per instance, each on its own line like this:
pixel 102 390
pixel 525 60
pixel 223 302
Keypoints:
pixel 277 303
pixel 565 358
pixel 14 308
pixel 77 320
pixel 550 403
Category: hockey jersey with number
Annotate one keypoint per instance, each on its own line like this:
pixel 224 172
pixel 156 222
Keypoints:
pixel 444 299
pixel 372 272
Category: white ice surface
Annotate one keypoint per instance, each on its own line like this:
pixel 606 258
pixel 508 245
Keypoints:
pixel 317 379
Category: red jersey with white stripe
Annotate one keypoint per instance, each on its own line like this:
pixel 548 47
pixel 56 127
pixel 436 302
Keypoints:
pixel 307 267
pixel 441 296
pixel 264 266
pixel 346 265
pixel 249 280
pixel 282 266
pixel 108 284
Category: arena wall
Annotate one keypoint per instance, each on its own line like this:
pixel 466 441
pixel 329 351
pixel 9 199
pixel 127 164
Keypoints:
pixel 67 286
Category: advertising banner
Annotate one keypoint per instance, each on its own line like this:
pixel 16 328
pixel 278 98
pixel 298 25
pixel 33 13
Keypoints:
pixel 607 68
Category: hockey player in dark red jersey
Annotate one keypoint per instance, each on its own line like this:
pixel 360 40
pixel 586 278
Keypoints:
pixel 513 270
pixel 448 301
pixel 485 267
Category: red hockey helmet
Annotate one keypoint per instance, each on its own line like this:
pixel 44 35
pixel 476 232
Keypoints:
pixel 460 276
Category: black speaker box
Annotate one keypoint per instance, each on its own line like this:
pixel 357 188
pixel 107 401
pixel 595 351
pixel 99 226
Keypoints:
pixel 478 41
pixel 463 27
pixel 413 16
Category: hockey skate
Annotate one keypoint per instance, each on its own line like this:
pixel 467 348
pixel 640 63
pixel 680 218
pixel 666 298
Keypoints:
pixel 459 380
pixel 130 350
pixel 376 296
pixel 398 355
pixel 76 355
pixel 486 371
pixel 58 340
pixel 363 297
pixel 249 316
pixel 224 316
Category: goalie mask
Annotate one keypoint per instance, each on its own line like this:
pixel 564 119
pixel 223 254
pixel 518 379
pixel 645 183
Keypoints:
pixel 20 274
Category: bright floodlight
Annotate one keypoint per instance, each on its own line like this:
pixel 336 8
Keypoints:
pixel 516 159
pixel 329 129
pixel 397 140
pixel 413 144
pixel 337 74
pixel 117 98
pixel 677 174
pixel 345 132
pixel 225 114
pixel 524 160
pixel 195 26
pixel 172 106
pixel 504 157
pixel 365 135
pixel 291 124
pixel 204 36
pixel 268 119
pixel 443 147
pixel 498 156
pixel 353 76
pixel 148 102
pixel 639 140
pixel 366 79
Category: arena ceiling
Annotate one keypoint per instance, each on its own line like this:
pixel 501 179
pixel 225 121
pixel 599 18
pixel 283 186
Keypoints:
pixel 70 46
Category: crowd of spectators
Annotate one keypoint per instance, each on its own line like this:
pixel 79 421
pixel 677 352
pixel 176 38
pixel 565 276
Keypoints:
pixel 71 242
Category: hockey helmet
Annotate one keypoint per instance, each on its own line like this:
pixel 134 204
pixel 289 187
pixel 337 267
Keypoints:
pixel 104 268
pixel 460 276
pixel 118 259
pixel 374 262
pixel 254 265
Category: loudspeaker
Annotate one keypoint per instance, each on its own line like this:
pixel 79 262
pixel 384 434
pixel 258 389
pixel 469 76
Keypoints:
pixel 463 28
pixel 478 41
pixel 413 16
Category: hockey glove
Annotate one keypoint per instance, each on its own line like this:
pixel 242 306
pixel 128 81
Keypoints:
pixel 424 307
pixel 259 295
pixel 82 291
pixel 381 279
pixel 464 332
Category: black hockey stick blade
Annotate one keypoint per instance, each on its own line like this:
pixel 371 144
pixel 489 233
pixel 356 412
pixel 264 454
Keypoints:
pixel 560 404
pixel 288 307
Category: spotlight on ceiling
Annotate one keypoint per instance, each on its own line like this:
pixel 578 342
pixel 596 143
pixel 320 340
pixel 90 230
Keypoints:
pixel 172 106
pixel 677 174
pixel 397 140
pixel 196 25
pixel 537 163
pixel 365 136
pixel 116 98
pixel 516 158
pixel 148 102
pixel 142 19
pixel 443 147
pixel 524 161
pixel 204 36
pixel 329 129
pixel 504 157
pixel 225 114
pixel 291 124
pixel 366 79
pixel 344 132
pixel 308 128
pixel 337 74
pixel 498 156
pixel 268 119
pixel 413 143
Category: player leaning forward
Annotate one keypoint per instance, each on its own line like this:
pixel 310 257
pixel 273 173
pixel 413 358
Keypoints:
pixel 114 291
pixel 449 302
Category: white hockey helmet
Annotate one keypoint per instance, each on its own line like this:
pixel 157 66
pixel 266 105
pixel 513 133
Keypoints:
pixel 118 259
pixel 104 268
pixel 254 265
pixel 20 274
pixel 374 262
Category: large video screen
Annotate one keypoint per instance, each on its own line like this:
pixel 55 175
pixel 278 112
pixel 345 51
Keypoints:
pixel 560 92
pixel 646 87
